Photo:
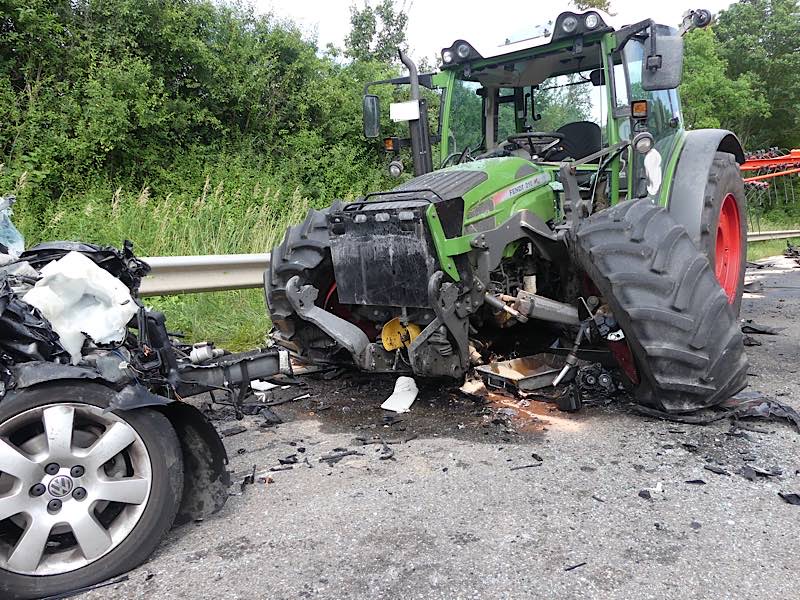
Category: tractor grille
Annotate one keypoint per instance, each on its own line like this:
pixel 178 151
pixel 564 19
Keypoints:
pixel 382 254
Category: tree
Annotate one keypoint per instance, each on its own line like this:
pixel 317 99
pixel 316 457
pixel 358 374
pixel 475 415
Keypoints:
pixel 604 5
pixel 376 32
pixel 762 38
pixel 711 98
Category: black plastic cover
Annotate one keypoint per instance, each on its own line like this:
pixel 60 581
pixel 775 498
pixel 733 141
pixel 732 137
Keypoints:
pixel 382 257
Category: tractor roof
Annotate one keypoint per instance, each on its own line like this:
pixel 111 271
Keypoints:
pixel 566 44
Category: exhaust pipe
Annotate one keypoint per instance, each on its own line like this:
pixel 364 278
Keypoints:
pixel 418 128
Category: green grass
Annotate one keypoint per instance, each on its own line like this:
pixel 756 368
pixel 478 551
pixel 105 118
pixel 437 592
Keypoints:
pixel 233 208
pixel 758 250
pixel 213 220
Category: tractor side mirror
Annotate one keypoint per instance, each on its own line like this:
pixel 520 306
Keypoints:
pixel 372 116
pixel 662 67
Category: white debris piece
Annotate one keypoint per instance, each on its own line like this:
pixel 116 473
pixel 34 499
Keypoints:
pixel 79 299
pixel 405 392
pixel 259 385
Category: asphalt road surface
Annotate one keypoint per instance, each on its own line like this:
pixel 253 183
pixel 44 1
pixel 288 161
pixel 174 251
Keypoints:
pixel 450 516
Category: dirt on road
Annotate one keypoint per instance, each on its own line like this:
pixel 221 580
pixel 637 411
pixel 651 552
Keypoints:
pixel 457 500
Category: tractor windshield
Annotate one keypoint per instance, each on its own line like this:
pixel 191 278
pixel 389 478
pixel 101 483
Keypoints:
pixel 559 102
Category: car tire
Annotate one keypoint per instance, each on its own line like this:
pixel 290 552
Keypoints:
pixel 153 457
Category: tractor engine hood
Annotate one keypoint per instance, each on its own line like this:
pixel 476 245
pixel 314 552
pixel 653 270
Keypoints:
pixel 385 246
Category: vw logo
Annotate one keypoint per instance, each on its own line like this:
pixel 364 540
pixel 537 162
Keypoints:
pixel 60 486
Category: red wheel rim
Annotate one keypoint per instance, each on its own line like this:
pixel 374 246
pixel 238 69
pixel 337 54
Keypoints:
pixel 729 247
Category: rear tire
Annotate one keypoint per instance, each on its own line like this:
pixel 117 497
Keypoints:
pixel 723 229
pixel 678 323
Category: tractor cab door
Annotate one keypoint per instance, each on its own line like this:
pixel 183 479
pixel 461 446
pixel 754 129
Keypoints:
pixel 664 120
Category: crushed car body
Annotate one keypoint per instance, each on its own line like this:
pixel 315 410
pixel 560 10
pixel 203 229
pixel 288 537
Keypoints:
pixel 99 454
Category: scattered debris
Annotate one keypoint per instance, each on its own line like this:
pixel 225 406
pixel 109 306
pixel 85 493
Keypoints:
pixel 386 452
pixel 598 498
pixel 768 409
pixel 289 460
pixel 749 340
pixel 752 473
pixel 716 469
pixel 338 454
pixel 232 430
pixel 257 385
pixel 474 389
pixel 405 392
pixel 791 250
pixel 517 468
pixel 282 468
pixel 536 457
pixel 790 497
pixel 695 525
pixel 248 479
pixel 750 326
pixel 650 493
pixel 573 567
pixel 286 400
pixel 755 265
pixel 270 417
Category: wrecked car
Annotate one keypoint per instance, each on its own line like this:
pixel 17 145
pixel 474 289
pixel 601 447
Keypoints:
pixel 99 455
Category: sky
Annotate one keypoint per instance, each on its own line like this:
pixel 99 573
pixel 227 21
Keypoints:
pixel 434 25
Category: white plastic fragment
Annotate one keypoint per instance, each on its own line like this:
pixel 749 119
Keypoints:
pixel 259 385
pixel 405 392
pixel 79 299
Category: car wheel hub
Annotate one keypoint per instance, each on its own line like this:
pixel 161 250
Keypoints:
pixel 60 486
pixel 54 522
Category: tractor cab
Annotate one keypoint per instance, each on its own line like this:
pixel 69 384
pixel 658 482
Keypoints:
pixel 575 88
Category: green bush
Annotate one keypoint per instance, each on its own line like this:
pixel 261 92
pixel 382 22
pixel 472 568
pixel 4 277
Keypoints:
pixel 192 127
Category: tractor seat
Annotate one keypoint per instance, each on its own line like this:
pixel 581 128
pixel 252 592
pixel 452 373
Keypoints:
pixel 581 139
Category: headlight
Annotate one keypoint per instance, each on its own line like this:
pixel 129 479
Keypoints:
pixel 643 142
pixel 395 168
pixel 447 57
pixel 591 21
pixel 569 24
pixel 463 50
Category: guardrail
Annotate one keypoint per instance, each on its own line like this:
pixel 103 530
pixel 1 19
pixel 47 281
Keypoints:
pixel 763 236
pixel 218 272
pixel 208 273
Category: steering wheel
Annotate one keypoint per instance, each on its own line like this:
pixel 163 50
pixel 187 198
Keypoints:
pixel 543 136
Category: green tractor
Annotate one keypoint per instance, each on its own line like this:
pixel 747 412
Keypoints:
pixel 570 206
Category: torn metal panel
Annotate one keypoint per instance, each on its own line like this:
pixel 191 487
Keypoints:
pixel 205 462
pixel 29 374
pixel 524 374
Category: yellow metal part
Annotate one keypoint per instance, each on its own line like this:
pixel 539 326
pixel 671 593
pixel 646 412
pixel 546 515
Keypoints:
pixel 395 335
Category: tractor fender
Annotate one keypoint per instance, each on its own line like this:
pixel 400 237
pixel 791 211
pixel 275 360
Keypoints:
pixel 686 197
